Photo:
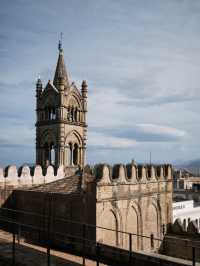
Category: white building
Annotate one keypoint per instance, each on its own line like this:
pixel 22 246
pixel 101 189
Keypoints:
pixel 186 212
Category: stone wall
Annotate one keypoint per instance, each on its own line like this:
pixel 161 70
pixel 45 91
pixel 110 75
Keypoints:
pixel 129 198
pixel 133 199
pixel 29 176
pixel 12 178
pixel 179 241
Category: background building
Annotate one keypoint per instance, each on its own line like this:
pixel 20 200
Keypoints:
pixel 186 211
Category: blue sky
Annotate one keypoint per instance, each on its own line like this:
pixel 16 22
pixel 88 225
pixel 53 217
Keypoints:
pixel 141 60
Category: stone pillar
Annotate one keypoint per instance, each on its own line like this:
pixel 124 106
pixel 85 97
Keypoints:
pixel 83 156
pixel 61 155
pixel 79 155
pixel 67 155
pixel 72 155
pixel 49 154
pixel 79 120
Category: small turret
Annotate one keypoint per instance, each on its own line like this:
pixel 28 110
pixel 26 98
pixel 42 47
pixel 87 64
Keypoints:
pixel 84 89
pixel 38 87
pixel 84 95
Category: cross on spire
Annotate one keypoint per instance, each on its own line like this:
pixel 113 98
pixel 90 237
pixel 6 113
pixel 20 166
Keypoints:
pixel 60 42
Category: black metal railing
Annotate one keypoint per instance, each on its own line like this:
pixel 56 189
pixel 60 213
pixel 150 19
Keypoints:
pixel 78 238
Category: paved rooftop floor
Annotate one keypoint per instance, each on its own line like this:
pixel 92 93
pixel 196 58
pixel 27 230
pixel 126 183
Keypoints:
pixel 33 255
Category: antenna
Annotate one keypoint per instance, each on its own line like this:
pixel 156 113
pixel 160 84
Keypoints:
pixel 60 42
pixel 150 157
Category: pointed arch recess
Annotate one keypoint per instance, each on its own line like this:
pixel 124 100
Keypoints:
pixel 109 218
pixel 153 223
pixel 134 225
pixel 73 136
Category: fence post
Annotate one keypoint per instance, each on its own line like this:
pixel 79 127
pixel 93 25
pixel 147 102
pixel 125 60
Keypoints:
pixel 83 252
pixel 48 242
pixel 152 241
pixel 48 231
pixel 19 234
pixel 130 248
pixel 193 257
pixel 163 229
pixel 13 247
pixel 97 253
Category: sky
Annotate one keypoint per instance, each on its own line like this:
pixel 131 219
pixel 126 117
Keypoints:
pixel 141 60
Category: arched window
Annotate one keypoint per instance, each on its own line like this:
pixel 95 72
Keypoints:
pixel 70 154
pixel 76 115
pixel 50 113
pixel 53 113
pixel 75 154
pixel 49 110
pixel 46 154
pixel 79 115
pixel 68 114
pixel 52 154
pixel 71 114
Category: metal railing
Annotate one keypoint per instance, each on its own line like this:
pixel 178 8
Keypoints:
pixel 78 238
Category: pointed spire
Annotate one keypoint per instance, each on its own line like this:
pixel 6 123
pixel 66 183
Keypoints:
pixel 61 73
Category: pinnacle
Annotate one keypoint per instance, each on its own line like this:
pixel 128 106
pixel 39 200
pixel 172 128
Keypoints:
pixel 61 72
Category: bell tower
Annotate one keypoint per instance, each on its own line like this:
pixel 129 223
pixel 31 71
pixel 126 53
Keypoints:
pixel 61 119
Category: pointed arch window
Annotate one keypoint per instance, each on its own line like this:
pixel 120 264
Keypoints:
pixel 75 154
pixel 52 154
pixel 50 113
pixel 73 114
pixel 46 154
pixel 70 153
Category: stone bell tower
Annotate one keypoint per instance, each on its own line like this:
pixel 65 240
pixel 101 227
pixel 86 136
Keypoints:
pixel 61 119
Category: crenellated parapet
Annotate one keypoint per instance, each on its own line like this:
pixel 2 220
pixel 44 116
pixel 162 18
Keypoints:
pixel 130 173
pixel 29 176
pixel 180 240
pixel 178 228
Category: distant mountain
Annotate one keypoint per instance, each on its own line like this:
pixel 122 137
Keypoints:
pixel 192 166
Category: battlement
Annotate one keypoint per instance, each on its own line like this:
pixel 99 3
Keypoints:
pixel 103 174
pixel 178 228
pixel 180 240
pixel 28 176
pixel 130 173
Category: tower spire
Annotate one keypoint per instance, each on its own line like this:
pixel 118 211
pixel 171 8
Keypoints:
pixel 61 73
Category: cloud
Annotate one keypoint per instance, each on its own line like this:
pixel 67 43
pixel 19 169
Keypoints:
pixel 17 101
pixel 16 136
pixel 142 64
pixel 168 97
pixel 103 141
pixel 135 134
pixel 161 132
